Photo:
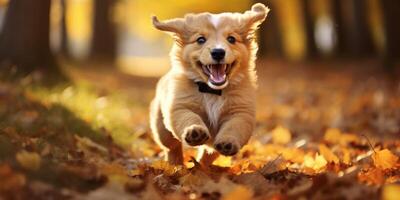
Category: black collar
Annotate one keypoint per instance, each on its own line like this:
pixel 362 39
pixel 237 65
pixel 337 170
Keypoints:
pixel 204 88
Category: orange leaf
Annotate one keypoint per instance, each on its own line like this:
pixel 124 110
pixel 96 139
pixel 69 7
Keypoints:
pixel 335 136
pixel 239 192
pixel 281 135
pixel 372 176
pixel 385 159
pixel 391 192
pixel 332 135
pixel 346 156
pixel 328 154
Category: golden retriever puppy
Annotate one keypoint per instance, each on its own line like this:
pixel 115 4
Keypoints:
pixel 208 96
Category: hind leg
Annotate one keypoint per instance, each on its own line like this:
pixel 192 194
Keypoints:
pixel 171 146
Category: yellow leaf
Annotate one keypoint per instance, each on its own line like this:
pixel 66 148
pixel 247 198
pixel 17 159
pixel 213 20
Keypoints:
pixel 328 154
pixel 332 135
pixel 385 159
pixel 239 192
pixel 316 163
pixel 293 154
pixel 223 161
pixel 29 160
pixel 346 156
pixel 335 136
pixel 281 135
pixel 391 192
pixel 167 168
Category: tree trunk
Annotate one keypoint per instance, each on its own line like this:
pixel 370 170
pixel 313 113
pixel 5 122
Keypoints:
pixel 340 28
pixel 24 41
pixel 391 10
pixel 269 35
pixel 103 45
pixel 356 37
pixel 309 28
pixel 64 36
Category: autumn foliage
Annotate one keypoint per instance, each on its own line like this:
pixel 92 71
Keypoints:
pixel 89 142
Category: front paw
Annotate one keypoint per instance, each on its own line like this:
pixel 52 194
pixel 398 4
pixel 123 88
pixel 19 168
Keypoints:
pixel 227 146
pixel 196 135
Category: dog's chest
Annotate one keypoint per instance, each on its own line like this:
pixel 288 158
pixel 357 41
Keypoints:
pixel 213 106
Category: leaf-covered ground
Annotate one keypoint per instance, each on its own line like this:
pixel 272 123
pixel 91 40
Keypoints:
pixel 323 132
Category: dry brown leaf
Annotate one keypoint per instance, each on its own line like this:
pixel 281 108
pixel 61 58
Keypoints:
pixel 281 135
pixel 29 160
pixel 328 154
pixel 385 159
pixel 10 180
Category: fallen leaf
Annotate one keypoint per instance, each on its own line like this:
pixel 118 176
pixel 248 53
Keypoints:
pixel 223 161
pixel 385 159
pixel 254 180
pixel 335 136
pixel 372 176
pixel 328 154
pixel 29 160
pixel 10 180
pixel 239 192
pixel 167 168
pixel 332 135
pixel 346 156
pixel 281 135
pixel 111 190
pixel 316 163
pixel 391 192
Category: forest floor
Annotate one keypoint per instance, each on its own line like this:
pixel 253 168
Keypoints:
pixel 324 131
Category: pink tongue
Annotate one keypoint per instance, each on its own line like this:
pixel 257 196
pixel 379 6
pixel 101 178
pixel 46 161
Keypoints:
pixel 217 74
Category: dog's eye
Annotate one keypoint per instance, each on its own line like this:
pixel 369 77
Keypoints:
pixel 201 40
pixel 231 39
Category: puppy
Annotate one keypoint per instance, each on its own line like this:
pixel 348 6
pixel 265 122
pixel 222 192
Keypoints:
pixel 208 96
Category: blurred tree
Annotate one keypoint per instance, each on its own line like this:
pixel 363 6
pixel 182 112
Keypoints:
pixel 355 37
pixel 291 21
pixel 340 33
pixel 64 36
pixel 309 22
pixel 391 11
pixel 104 32
pixel 269 36
pixel 24 41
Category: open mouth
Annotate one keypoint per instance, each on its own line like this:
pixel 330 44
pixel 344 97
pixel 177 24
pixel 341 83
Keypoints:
pixel 217 74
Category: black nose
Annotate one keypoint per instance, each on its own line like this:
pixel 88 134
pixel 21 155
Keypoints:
pixel 218 54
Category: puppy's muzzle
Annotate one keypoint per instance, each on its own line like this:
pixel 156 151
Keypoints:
pixel 218 54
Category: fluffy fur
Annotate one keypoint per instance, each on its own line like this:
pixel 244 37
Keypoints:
pixel 179 112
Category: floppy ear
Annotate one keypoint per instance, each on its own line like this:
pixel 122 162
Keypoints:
pixel 173 25
pixel 254 17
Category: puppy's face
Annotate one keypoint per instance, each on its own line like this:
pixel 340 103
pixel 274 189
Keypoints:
pixel 215 47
